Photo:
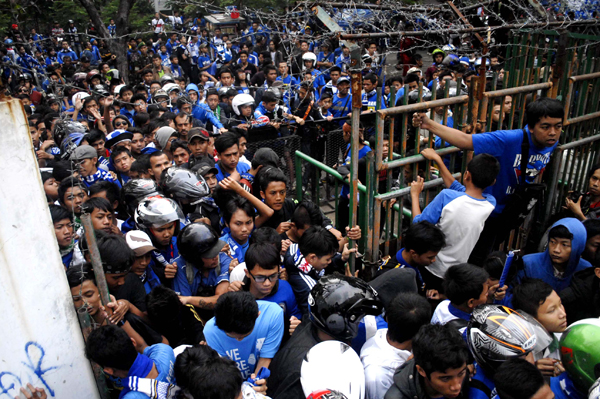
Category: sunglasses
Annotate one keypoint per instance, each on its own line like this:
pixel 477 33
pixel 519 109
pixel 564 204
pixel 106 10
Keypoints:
pixel 120 124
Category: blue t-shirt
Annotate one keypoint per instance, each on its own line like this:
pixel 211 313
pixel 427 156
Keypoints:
pixel 345 192
pixel 184 288
pixel 164 359
pixel 482 377
pixel 563 388
pixel 505 145
pixel 238 251
pixel 263 341
pixel 285 298
pixel 241 168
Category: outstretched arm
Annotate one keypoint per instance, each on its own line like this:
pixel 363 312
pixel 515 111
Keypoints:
pixel 452 136
pixel 445 174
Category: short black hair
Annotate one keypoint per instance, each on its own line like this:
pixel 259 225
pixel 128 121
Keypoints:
pixel 269 97
pixel 439 347
pixel 307 214
pixel 560 231
pixel 424 237
pixel 319 241
pixel 236 312
pixel 530 294
pixel 140 119
pixel 335 68
pixel 233 204
pixel 110 346
pixel 592 227
pixel 113 193
pixel 463 282
pixel 266 235
pixel 118 151
pixel 115 251
pixel 97 203
pixel 264 255
pixel 494 264
pixel 405 316
pixel 202 373
pixel 543 107
pixel 484 169
pixel 225 141
pixel 518 379
pixel 58 213
pixel 141 164
pixel 176 144
pixel 77 275
pixel 411 77
pixel 66 184
pixel 270 175
pixel 394 78
pixel 95 135
pixel 370 77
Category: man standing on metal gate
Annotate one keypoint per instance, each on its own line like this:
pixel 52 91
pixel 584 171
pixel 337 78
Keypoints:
pixel 515 196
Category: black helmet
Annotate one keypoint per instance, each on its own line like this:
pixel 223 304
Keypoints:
pixel 182 184
pixel 64 128
pixel 338 303
pixel 156 212
pixel 135 190
pixel 497 333
pixel 26 76
pixel 198 241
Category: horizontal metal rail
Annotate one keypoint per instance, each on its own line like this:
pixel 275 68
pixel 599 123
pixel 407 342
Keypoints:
pixel 406 190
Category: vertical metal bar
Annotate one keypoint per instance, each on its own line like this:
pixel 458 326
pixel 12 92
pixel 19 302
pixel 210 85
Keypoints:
pixel 376 216
pixel 298 168
pixel 90 237
pixel 561 58
pixel 356 108
pixel 85 322
pixel 372 224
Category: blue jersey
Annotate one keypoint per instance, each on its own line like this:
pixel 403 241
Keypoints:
pixel 241 168
pixel 216 276
pixel 263 341
pixel 505 145
pixel 237 250
pixel 163 358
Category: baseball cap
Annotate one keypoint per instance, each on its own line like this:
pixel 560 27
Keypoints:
pixel 343 79
pixel 139 242
pixel 414 70
pixel 85 59
pixel 198 132
pixel 84 152
pixel 204 168
pixel 117 136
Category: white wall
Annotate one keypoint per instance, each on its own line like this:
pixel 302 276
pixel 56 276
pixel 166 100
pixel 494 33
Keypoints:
pixel 40 338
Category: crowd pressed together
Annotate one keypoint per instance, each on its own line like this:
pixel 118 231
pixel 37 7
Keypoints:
pixel 223 287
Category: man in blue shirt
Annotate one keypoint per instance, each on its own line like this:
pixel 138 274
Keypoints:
pixel 228 152
pixel 544 125
pixel 66 51
pixel 262 279
pixel 247 331
pixel 117 354
pixel 342 100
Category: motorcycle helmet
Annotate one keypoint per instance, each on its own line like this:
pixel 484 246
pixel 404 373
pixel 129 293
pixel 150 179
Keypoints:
pixel 198 241
pixel 338 303
pixel 135 190
pixel 579 352
pixel 170 87
pixel 155 212
pixel 166 79
pixel 183 186
pixel 438 51
pixel 326 394
pixel 308 56
pixel 449 48
pixel 241 100
pixel 69 144
pixel 334 366
pixel 497 333
pixel 94 73
pixel 64 128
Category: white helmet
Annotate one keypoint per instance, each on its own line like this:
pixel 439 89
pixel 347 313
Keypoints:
pixel 82 95
pixel 308 56
pixel 117 89
pixel 169 87
pixel 240 100
pixel 449 48
pixel 335 366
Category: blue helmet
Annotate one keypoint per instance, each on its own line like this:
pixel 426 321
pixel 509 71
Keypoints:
pixel 69 144
pixel 8 42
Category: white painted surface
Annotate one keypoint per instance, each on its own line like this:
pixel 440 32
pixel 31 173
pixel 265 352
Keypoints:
pixel 40 338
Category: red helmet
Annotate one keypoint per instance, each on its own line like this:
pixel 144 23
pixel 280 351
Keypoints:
pixel 326 394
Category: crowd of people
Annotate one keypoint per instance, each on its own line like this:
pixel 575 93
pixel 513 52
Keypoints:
pixel 222 286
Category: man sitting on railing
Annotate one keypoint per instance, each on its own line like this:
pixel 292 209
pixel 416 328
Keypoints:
pixel 544 125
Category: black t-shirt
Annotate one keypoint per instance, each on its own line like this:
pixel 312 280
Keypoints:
pixel 284 382
pixel 133 290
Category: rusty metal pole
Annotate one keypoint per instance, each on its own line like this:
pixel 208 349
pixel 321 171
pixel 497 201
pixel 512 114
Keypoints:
pixel 356 108
pixel 561 61
pixel 85 322
pixel 90 237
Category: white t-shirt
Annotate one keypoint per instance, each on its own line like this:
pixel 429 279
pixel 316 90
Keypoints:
pixel 158 24
pixel 380 360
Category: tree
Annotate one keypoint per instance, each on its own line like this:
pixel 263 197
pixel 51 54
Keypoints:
pixel 117 45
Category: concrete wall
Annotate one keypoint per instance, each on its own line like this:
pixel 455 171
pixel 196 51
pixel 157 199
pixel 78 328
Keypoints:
pixel 40 338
